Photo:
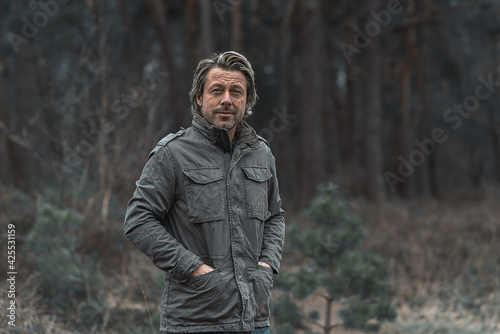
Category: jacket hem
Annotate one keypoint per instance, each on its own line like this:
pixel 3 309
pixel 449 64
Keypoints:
pixel 202 328
pixel 264 323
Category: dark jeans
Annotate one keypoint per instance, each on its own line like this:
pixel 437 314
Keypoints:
pixel 262 330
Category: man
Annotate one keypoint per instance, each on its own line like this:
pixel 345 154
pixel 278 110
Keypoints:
pixel 207 210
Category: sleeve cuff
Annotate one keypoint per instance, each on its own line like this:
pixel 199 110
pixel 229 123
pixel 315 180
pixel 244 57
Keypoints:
pixel 274 264
pixel 185 266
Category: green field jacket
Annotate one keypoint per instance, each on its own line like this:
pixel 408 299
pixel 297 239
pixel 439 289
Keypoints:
pixel 202 200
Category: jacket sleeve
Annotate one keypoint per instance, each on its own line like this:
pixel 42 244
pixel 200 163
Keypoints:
pixel 274 227
pixel 147 213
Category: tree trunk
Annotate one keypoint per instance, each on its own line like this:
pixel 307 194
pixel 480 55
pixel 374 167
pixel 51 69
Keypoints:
pixel 406 125
pixel 373 163
pixel 311 114
pixel 104 169
pixel 191 26
pixel 493 117
pixel 425 172
pixel 179 116
pixel 334 107
pixel 206 28
pixel 495 120
pixel 331 127
pixel 27 107
pixel 347 129
pixel 237 28
pixel 495 129
pixel 11 170
pixel 288 155
pixel 131 38
pixel 328 316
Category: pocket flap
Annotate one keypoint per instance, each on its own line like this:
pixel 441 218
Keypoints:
pixel 203 175
pixel 257 174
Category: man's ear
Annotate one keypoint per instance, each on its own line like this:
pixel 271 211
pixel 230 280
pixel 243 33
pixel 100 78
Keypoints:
pixel 199 99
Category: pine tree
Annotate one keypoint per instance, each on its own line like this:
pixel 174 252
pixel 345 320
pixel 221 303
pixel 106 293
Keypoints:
pixel 335 268
pixel 52 242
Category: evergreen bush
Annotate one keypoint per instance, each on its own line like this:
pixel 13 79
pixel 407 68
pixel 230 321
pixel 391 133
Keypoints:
pixel 52 242
pixel 334 268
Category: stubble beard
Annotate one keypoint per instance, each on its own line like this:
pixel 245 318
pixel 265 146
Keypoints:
pixel 228 125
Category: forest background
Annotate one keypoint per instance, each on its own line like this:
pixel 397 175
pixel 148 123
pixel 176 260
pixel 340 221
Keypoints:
pixel 396 102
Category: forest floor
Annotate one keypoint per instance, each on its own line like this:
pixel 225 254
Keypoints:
pixel 445 261
pixel 444 255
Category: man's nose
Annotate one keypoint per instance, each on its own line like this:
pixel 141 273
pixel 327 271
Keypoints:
pixel 226 99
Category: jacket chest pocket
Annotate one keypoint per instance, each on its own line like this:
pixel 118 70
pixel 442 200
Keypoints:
pixel 204 194
pixel 256 191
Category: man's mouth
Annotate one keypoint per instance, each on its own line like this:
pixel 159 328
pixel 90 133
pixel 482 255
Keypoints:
pixel 224 112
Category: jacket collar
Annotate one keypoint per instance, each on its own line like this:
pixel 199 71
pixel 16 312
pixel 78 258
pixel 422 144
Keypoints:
pixel 245 134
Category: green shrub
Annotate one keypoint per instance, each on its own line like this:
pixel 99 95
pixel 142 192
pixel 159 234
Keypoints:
pixel 52 242
pixel 334 263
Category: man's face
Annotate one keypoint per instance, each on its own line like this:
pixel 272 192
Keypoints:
pixel 224 97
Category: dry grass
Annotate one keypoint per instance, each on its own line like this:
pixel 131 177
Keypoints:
pixel 445 258
pixel 119 306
